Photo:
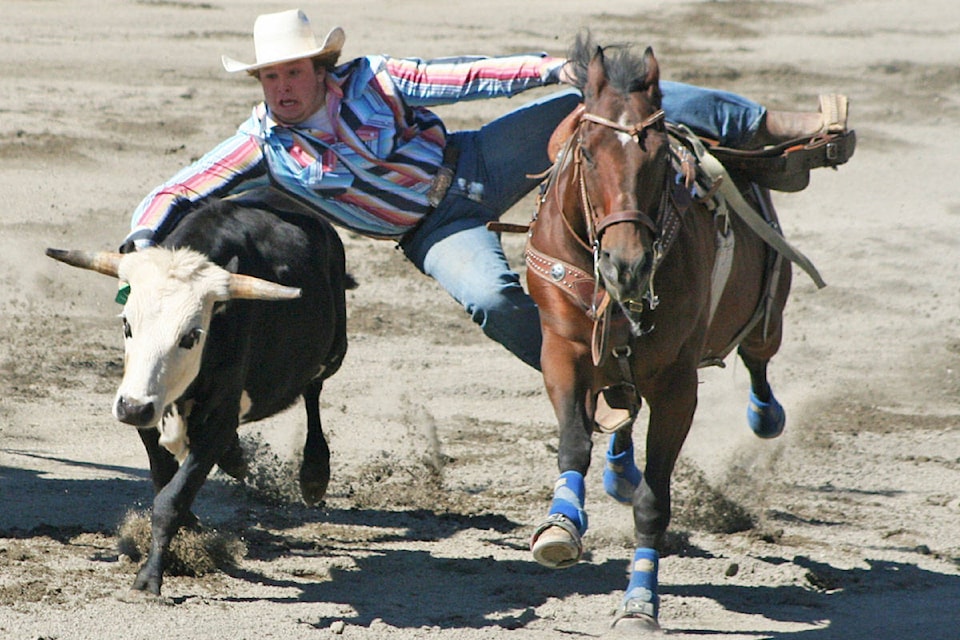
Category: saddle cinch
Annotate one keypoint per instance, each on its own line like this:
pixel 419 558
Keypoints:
pixel 783 167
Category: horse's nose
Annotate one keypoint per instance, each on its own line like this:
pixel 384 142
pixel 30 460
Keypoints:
pixel 624 276
pixel 131 412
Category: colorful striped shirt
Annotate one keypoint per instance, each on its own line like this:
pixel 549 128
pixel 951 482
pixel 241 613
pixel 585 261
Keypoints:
pixel 371 173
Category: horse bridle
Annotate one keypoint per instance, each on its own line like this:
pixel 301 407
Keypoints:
pixel 596 227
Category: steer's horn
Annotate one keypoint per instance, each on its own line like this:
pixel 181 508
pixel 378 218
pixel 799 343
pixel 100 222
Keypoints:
pixel 251 288
pixel 104 262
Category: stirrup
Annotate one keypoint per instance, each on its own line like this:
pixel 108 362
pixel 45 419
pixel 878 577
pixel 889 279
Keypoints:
pixel 609 419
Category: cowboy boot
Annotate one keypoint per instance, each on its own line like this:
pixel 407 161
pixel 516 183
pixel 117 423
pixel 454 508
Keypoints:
pixel 783 126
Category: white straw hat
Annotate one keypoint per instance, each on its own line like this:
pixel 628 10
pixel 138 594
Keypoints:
pixel 282 37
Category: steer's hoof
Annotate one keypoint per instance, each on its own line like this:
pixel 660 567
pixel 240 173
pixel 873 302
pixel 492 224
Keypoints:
pixel 556 543
pixel 137 596
pixel 233 462
pixel 312 491
pixel 314 479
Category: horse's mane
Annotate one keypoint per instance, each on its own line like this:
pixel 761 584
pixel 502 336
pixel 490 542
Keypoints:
pixel 625 67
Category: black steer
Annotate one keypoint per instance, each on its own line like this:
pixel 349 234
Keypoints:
pixel 206 348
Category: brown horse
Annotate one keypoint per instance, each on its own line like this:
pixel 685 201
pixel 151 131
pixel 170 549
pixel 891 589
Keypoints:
pixel 641 279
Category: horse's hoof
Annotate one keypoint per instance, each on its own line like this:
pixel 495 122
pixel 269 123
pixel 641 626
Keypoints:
pixel 766 419
pixel 630 626
pixel 636 616
pixel 556 543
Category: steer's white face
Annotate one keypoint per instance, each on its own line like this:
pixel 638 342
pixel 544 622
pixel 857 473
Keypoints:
pixel 165 323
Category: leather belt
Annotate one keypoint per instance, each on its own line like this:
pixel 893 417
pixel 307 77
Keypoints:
pixel 444 178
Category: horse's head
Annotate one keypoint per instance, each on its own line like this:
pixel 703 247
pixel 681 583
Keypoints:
pixel 623 159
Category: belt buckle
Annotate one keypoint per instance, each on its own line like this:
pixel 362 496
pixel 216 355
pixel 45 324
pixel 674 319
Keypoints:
pixel 439 187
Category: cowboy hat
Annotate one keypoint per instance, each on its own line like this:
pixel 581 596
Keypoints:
pixel 282 37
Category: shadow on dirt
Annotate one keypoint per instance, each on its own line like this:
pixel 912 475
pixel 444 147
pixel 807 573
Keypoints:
pixel 373 563
pixel 93 505
pixel 413 588
pixel 881 600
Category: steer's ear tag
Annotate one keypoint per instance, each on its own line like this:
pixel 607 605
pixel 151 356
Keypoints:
pixel 123 293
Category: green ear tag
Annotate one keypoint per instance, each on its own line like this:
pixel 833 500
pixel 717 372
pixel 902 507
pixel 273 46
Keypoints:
pixel 123 293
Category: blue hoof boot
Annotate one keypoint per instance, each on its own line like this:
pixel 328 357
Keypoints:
pixel 766 419
pixel 621 476
pixel 641 604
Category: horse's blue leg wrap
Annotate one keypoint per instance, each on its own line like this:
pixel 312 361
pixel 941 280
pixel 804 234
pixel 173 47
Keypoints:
pixel 621 475
pixel 641 596
pixel 766 419
pixel 569 494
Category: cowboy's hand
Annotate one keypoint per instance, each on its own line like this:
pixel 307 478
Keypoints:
pixel 565 75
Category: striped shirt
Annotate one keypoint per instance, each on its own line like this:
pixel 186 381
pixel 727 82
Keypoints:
pixel 370 167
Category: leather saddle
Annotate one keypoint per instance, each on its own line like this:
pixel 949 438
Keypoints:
pixel 786 166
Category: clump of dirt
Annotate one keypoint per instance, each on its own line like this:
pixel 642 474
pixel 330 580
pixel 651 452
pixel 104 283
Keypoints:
pixel 38 590
pixel 192 553
pixel 271 479
pixel 697 505
pixel 398 483
pixel 414 475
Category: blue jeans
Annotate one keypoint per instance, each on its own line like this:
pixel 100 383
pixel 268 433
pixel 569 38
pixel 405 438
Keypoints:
pixel 452 244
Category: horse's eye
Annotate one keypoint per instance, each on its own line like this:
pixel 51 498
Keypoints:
pixel 127 331
pixel 588 158
pixel 190 340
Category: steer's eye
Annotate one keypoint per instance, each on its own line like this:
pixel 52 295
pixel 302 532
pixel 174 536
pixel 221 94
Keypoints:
pixel 127 332
pixel 190 339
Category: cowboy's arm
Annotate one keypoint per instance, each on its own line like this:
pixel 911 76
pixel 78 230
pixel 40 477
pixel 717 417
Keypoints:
pixel 447 80
pixel 234 162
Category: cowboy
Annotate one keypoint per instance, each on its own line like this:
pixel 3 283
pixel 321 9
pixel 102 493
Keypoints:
pixel 358 144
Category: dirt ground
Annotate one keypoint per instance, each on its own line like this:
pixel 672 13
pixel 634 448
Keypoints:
pixel 443 444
